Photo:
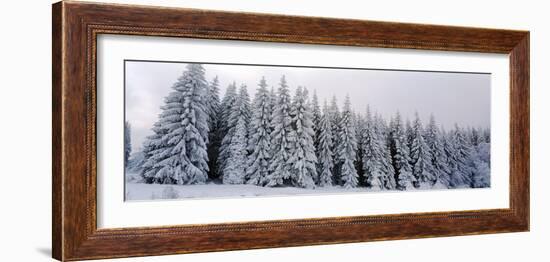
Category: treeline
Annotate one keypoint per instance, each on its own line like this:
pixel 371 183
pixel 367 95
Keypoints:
pixel 280 139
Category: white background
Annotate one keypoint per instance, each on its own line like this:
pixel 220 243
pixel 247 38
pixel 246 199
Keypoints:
pixel 25 136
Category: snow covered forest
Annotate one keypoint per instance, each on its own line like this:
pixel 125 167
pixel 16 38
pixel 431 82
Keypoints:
pixel 279 139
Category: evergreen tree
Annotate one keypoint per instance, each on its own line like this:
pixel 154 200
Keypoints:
pixel 400 154
pixel 369 157
pixel 281 140
pixel 385 158
pixel 227 127
pixel 302 158
pixel 409 134
pixel 347 148
pixel 274 99
pixel 127 142
pixel 325 162
pixel 463 157
pixel 481 156
pixel 457 178
pixel 152 147
pixel 316 112
pixel 475 136
pixel 234 171
pixel 213 102
pixel 334 118
pixel 360 125
pixel 373 155
pixel 258 161
pixel 215 126
pixel 451 163
pixel 484 149
pixel 421 159
pixel 158 147
pixel 439 161
pixel 185 157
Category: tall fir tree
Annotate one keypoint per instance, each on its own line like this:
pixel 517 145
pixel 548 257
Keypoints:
pixel 360 125
pixel 481 169
pixel 316 112
pixel 226 126
pixel 157 146
pixel 450 157
pixel 463 157
pixel 409 134
pixel 184 115
pixel 281 140
pixel 335 117
pixel 347 148
pixel 385 157
pixel 274 99
pixel 421 159
pixel 259 137
pixel 439 161
pixel 373 154
pixel 152 147
pixel 127 142
pixel 370 155
pixel 400 154
pixel 212 102
pixel 457 178
pixel 325 163
pixel 234 171
pixel 302 157
pixel 214 124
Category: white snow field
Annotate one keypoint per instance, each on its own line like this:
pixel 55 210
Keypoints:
pixel 141 191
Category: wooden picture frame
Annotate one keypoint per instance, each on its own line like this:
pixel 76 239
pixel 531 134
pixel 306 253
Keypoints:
pixel 76 26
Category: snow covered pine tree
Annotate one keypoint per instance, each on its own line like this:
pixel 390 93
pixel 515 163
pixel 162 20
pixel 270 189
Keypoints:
pixel 302 157
pixel 360 125
pixel 316 112
pixel 347 148
pixel 152 147
pixel 259 137
pixel 235 168
pixel 380 130
pixel 462 173
pixel 432 136
pixel 325 162
pixel 334 118
pixel 281 140
pixel 182 157
pixel 400 154
pixel 226 126
pixel 214 124
pixel 421 160
pixel 376 165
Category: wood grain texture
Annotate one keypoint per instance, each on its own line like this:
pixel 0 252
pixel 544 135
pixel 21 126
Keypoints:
pixel 76 26
pixel 57 192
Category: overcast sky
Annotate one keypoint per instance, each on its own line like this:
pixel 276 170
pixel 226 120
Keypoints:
pixel 460 98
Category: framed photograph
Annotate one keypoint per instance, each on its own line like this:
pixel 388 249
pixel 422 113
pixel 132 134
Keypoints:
pixel 181 130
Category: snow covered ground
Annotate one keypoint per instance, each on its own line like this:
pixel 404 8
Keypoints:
pixel 140 191
pixel 135 190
